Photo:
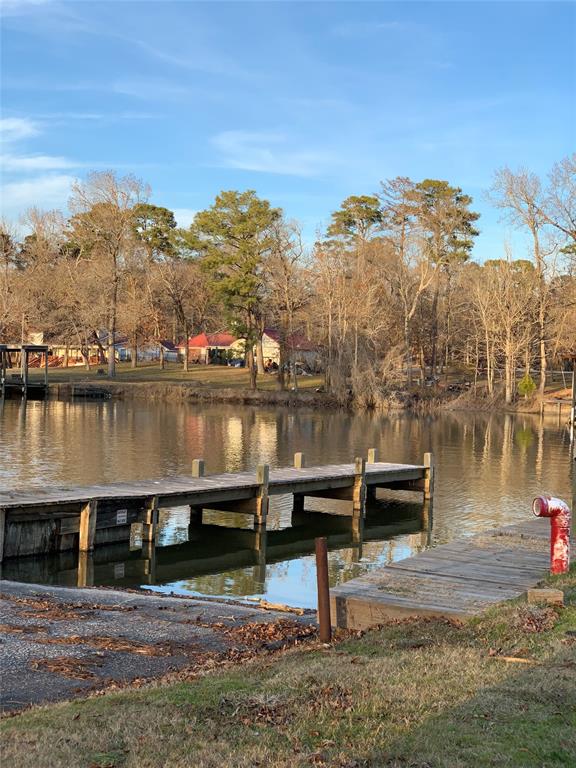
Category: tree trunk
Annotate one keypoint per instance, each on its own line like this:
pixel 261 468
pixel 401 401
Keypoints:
pixel 161 357
pixel 407 351
pixel 260 355
pixel 434 332
pixel 66 354
pixel 185 346
pixel 134 353
pixel 250 363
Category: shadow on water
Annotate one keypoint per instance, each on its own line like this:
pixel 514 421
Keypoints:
pixel 236 562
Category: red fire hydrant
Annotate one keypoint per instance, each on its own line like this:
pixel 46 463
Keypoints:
pixel 559 513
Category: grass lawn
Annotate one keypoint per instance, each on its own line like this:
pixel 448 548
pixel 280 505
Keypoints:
pixel 495 691
pixel 209 376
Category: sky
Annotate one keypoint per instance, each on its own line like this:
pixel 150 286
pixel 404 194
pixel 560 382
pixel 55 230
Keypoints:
pixel 304 102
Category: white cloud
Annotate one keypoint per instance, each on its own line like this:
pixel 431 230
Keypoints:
pixel 19 163
pixel 184 216
pixel 48 191
pixel 268 153
pixel 17 128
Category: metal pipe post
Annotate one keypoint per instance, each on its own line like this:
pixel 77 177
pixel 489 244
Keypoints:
pixel 323 589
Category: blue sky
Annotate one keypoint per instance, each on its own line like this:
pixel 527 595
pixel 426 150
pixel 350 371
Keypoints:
pixel 304 102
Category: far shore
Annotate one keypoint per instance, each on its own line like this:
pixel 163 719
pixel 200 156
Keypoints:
pixel 222 384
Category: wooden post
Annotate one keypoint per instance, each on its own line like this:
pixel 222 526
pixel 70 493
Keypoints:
pixel 260 550
pixel 323 589
pixel 428 476
pixel 46 371
pixel 88 526
pixel 85 574
pixel 149 556
pixel 24 364
pixel 359 491
pixel 262 478
pixel 371 490
pixel 150 521
pixel 2 532
pixel 198 468
pixel 298 501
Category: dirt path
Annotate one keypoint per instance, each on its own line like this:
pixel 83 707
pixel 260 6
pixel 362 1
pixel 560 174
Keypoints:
pixel 58 643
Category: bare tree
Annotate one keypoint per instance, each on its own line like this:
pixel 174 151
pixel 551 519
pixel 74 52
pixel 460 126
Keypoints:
pixel 103 225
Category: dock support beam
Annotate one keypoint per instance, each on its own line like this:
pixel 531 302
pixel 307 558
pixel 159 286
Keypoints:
pixel 196 512
pixel 88 516
pixel 298 502
pixel 262 478
pixel 150 521
pixel 428 476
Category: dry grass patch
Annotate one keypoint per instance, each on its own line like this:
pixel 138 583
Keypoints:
pixel 414 694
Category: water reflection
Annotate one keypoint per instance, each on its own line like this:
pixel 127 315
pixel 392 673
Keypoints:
pixel 220 561
pixel 488 468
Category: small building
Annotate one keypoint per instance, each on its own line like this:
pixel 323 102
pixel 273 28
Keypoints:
pixel 154 350
pixel 301 350
pixel 212 348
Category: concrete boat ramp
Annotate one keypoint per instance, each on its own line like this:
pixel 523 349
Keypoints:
pixel 454 580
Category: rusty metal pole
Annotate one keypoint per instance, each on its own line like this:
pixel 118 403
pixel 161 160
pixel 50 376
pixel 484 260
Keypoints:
pixel 323 589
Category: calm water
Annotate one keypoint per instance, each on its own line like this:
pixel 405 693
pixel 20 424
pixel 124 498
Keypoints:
pixel 488 469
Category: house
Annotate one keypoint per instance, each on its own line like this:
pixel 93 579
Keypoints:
pixel 301 350
pixel 212 348
pixel 154 349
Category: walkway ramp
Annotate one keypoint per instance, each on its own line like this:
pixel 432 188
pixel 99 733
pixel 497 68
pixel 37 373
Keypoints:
pixel 454 580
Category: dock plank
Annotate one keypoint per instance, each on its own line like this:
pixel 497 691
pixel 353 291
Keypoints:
pixel 455 580
pixel 282 480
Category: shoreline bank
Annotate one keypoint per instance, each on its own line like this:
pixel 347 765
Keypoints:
pixel 195 392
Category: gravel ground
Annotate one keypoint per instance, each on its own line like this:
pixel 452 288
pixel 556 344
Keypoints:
pixel 58 643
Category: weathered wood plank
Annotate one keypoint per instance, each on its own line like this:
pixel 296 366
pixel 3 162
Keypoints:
pixel 457 579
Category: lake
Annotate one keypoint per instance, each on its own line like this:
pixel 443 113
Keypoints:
pixel 488 469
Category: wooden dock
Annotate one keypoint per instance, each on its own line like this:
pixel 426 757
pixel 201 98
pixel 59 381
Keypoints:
pixel 44 520
pixel 452 580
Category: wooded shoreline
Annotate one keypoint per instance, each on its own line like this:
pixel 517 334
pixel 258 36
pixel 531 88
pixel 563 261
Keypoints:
pixel 303 398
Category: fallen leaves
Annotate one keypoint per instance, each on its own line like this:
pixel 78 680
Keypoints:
pixel 77 669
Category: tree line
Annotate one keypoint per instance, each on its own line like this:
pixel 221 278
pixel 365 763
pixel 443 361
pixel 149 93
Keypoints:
pixel 389 291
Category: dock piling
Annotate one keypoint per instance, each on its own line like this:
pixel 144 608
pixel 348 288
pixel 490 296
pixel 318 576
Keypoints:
pixel 150 521
pixel 263 479
pixel 198 468
pixel 88 516
pixel 372 456
pixel 298 498
pixel 359 489
pixel 428 475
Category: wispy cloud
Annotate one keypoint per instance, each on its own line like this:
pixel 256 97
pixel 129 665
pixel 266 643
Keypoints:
pixel 45 191
pixel 151 89
pixel 22 163
pixel 17 128
pixel 269 153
